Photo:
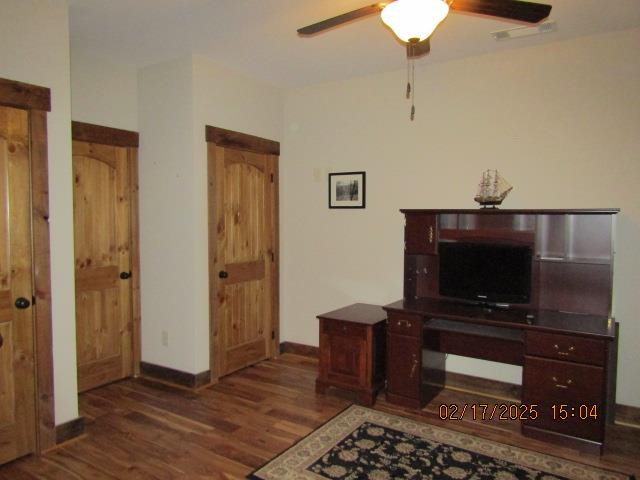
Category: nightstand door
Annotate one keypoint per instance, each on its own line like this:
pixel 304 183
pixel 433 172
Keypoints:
pixel 344 353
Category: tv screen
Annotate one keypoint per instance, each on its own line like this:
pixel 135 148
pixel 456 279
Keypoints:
pixel 485 272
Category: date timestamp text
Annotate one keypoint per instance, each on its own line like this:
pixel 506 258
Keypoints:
pixel 485 411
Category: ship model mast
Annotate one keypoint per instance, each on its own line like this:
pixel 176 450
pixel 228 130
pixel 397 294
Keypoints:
pixel 492 189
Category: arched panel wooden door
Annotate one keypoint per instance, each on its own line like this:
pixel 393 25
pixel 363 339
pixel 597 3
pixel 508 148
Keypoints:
pixel 103 261
pixel 17 363
pixel 243 232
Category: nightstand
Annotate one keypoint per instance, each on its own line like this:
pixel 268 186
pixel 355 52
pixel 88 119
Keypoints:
pixel 353 350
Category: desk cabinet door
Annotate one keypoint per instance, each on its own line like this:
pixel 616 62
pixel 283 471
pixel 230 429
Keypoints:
pixel 421 234
pixel 404 366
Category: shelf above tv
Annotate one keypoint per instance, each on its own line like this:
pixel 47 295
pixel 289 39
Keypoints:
pixel 497 235
pixel 592 261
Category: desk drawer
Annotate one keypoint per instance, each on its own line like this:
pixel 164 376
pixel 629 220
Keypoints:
pixel 404 324
pixel 573 392
pixel 566 347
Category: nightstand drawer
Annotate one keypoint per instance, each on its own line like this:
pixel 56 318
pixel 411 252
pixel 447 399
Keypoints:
pixel 566 347
pixel 346 329
pixel 404 324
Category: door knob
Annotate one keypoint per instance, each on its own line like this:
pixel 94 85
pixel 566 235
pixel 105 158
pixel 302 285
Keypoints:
pixel 22 303
pixel 125 275
pixel 223 274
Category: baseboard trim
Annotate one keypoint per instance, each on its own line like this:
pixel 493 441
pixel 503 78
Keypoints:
pixel 625 414
pixel 177 377
pixel 628 415
pixel 482 386
pixel 69 430
pixel 299 349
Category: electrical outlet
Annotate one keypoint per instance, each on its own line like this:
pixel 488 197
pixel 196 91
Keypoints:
pixel 165 338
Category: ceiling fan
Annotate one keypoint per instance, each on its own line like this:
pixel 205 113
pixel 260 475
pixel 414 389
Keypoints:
pixel 413 21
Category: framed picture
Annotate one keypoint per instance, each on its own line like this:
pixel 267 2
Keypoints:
pixel 347 190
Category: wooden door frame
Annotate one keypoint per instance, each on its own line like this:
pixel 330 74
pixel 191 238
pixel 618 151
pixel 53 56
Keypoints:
pixel 37 101
pixel 219 137
pixel 90 133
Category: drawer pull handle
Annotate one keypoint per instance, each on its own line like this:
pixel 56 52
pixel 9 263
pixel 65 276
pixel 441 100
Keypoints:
pixel 403 322
pixel 564 354
pixel 560 385
pixel 415 365
pixel 431 234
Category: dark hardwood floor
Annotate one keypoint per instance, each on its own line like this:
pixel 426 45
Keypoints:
pixel 138 429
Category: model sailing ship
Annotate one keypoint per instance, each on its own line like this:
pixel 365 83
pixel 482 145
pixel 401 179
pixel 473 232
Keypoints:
pixel 492 190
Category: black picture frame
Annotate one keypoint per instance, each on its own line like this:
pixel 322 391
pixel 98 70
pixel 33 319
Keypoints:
pixel 347 189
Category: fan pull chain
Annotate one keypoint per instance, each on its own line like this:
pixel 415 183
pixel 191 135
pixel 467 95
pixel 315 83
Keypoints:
pixel 408 78
pixel 413 89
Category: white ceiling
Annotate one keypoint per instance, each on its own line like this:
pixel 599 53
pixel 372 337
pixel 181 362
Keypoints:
pixel 258 37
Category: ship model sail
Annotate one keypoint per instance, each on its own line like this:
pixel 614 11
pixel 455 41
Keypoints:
pixel 492 190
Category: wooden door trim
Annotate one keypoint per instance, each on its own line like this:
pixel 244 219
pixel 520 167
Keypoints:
pixel 24 95
pixel 37 100
pixel 87 132
pixel 242 141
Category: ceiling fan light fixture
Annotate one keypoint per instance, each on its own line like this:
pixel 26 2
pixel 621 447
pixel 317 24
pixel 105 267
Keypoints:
pixel 414 19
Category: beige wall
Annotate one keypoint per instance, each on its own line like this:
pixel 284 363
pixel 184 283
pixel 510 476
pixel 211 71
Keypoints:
pixel 167 220
pixel 560 122
pixel 103 92
pixel 176 100
pixel 34 48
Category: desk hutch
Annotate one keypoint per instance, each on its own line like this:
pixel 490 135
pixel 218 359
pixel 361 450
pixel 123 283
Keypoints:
pixel 564 338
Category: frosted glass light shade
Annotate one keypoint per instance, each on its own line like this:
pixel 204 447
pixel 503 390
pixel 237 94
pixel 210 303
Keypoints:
pixel 414 18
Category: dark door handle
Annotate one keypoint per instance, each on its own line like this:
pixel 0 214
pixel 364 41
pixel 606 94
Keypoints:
pixel 125 275
pixel 22 303
pixel 223 274
pixel 1 341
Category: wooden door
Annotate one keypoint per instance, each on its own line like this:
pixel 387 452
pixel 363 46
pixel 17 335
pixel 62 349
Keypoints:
pixel 243 253
pixel 17 364
pixel 102 263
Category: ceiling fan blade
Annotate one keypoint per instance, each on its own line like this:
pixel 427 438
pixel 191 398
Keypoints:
pixel 344 18
pixel 415 50
pixel 511 9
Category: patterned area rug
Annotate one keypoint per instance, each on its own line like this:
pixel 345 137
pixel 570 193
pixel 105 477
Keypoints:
pixel 364 444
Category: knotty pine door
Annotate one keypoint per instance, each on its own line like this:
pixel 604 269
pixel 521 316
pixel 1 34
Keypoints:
pixel 17 363
pixel 243 256
pixel 102 226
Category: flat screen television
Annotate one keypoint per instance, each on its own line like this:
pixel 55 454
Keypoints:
pixel 486 273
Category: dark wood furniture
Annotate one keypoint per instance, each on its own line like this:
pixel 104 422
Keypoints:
pixel 564 337
pixel 352 350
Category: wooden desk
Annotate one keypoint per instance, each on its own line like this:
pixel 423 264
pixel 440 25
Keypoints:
pixel 352 350
pixel 568 359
